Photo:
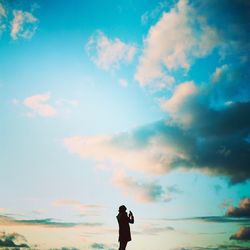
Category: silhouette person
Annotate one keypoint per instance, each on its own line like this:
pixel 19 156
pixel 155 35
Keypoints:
pixel 124 229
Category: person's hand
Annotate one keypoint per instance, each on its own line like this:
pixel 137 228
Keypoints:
pixel 130 213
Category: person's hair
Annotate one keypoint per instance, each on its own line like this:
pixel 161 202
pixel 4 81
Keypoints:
pixel 122 208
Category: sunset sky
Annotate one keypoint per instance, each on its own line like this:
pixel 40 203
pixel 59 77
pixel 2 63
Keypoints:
pixel 111 102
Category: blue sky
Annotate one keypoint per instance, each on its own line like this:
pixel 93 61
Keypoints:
pixel 125 102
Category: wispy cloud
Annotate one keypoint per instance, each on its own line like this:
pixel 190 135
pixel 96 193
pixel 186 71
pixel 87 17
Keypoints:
pixel 107 53
pixel 226 203
pixel 23 25
pixel 39 105
pixel 83 209
pixel 46 106
pixel 3 15
pixel 214 219
pixel 154 229
pixel 48 222
pixel 96 245
pixel 150 15
pixel 219 73
pixel 20 23
pixel 123 83
pixel 141 191
pixel 65 248
pixel 2 11
pixel 218 247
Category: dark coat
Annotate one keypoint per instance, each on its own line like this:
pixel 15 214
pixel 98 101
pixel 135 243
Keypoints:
pixel 124 229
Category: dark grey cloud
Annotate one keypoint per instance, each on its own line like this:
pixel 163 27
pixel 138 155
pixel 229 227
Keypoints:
pixel 243 234
pixel 13 240
pixel 230 19
pixel 214 143
pixel 234 24
pixel 242 211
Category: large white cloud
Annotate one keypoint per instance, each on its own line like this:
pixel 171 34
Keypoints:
pixel 174 42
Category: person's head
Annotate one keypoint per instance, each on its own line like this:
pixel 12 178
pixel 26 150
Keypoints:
pixel 122 209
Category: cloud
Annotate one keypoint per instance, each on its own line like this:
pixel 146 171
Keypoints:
pixel 39 105
pixel 23 25
pixel 65 248
pixel 141 191
pixel 219 72
pixel 3 16
pixel 6 220
pixel 107 53
pixel 62 102
pixel 226 203
pixel 211 145
pixel 123 83
pixel 172 43
pixel 125 151
pixel 96 245
pixel 12 240
pixel 205 127
pixel 219 247
pixel 175 105
pixel 214 219
pixel 153 229
pixel 104 149
pixel 243 234
pixel 2 11
pixel 150 15
pixel 242 211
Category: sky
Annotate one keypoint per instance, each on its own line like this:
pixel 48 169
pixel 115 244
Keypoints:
pixel 141 103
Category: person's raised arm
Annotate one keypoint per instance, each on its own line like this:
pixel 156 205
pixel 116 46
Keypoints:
pixel 131 217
